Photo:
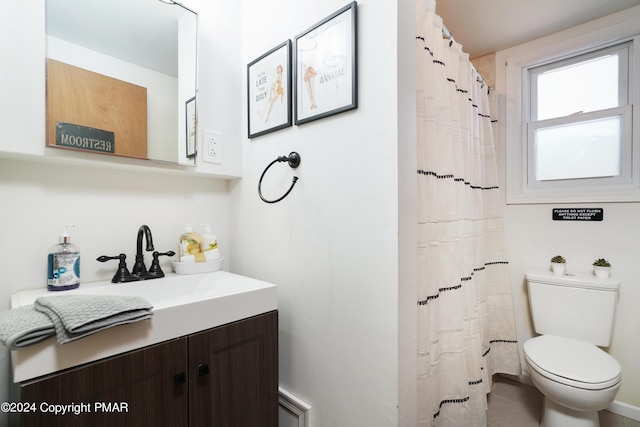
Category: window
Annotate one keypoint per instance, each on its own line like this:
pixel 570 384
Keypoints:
pixel 568 114
pixel 579 119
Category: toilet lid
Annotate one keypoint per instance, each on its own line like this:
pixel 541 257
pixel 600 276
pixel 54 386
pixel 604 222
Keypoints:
pixel 575 360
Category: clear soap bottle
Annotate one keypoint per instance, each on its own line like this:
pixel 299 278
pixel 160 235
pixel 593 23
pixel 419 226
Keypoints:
pixel 63 263
pixel 189 248
pixel 209 244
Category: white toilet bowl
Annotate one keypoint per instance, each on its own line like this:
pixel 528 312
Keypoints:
pixel 576 378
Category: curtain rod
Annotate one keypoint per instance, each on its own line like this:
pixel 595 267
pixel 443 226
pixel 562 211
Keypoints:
pixel 447 35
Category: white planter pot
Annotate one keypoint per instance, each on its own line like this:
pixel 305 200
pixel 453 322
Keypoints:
pixel 558 268
pixel 601 272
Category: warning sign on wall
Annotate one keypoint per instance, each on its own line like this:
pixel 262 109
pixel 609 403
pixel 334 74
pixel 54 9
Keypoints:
pixel 578 214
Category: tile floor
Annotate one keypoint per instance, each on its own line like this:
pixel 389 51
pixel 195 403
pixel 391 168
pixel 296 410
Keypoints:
pixel 512 404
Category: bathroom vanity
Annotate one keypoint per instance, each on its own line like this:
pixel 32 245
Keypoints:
pixel 224 374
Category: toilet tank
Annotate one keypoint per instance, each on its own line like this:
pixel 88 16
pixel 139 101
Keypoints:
pixel 581 307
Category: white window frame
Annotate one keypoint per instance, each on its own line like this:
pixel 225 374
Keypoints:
pixel 512 73
pixel 589 183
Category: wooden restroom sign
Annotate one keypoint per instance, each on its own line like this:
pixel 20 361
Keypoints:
pixel 578 214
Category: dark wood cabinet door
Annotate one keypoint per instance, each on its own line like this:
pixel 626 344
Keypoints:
pixel 140 388
pixel 234 374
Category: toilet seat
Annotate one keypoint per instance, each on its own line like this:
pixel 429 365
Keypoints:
pixel 571 362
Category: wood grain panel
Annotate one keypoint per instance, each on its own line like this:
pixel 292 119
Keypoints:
pixel 240 384
pixel 135 389
pixel 82 97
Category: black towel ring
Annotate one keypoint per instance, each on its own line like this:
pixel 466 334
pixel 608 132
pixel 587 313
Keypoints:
pixel 294 162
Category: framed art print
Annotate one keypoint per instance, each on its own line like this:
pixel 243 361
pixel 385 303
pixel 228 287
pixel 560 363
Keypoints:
pixel 326 67
pixel 190 122
pixel 269 91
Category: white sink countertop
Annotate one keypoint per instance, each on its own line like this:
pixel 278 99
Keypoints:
pixel 182 305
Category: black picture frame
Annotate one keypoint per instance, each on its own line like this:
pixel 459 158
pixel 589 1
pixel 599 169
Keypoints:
pixel 269 91
pixel 190 126
pixel 326 72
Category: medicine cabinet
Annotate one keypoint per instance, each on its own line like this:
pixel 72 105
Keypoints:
pixel 148 46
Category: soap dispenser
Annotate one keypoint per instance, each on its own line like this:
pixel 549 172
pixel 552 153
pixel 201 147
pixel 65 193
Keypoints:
pixel 63 266
pixel 189 248
pixel 209 244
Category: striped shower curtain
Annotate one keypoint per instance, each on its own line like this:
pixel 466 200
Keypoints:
pixel 466 329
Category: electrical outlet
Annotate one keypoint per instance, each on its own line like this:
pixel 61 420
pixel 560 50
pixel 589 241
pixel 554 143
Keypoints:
pixel 212 146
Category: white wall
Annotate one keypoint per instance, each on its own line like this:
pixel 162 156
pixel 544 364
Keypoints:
pixel 533 238
pixel 332 245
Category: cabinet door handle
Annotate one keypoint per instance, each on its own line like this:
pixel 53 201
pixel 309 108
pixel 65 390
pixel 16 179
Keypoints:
pixel 179 378
pixel 203 369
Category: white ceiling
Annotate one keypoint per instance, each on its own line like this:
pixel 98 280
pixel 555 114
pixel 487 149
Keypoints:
pixel 487 26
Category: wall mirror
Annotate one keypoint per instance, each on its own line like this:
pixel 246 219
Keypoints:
pixel 135 60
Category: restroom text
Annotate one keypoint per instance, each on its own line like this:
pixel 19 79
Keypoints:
pixel 86 143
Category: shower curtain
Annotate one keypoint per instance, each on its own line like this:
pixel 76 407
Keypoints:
pixel 466 329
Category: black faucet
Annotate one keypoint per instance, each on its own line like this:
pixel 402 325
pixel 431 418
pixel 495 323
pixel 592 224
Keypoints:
pixel 139 268
pixel 139 271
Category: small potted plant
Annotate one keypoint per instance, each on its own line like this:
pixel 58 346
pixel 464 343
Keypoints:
pixel 601 268
pixel 558 265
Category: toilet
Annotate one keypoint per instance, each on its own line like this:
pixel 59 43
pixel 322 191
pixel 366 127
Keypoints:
pixel 574 316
